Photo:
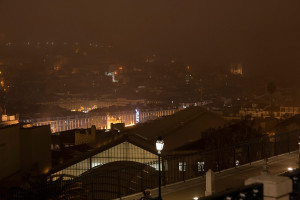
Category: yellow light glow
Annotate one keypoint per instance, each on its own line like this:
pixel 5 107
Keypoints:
pixel 77 50
pixel 46 170
pixel 27 125
pixel 131 124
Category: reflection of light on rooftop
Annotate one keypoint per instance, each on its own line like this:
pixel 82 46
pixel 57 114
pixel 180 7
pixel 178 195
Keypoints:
pixel 196 198
pixel 27 125
pixel 131 124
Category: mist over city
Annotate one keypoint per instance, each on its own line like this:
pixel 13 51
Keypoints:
pixel 90 91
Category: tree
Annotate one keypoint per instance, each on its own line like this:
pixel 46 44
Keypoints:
pixel 271 88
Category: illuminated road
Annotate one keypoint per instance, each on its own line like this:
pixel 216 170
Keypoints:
pixel 226 179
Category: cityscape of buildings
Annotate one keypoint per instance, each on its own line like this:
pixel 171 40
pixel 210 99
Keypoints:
pixel 107 100
pixel 97 118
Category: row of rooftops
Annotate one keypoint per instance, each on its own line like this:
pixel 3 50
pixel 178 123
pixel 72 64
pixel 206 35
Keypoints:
pixel 178 131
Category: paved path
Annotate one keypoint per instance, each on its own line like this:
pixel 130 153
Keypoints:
pixel 227 179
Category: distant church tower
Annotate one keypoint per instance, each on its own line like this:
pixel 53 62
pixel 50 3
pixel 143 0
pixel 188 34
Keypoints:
pixel 236 69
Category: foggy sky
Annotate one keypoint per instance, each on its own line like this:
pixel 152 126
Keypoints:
pixel 260 34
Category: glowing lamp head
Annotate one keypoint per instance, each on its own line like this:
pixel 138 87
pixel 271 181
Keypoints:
pixel 290 169
pixel 159 145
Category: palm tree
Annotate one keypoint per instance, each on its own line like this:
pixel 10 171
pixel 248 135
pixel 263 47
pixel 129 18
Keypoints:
pixel 271 88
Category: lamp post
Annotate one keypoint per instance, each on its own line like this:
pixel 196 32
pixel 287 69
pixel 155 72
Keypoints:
pixel 299 153
pixel 159 148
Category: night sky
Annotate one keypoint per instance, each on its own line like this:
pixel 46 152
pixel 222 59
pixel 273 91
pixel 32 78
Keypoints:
pixel 263 35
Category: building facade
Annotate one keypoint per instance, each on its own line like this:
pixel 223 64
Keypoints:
pixel 101 121
pixel 24 150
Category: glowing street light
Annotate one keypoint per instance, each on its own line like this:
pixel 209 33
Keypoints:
pixel 159 145
pixel 159 148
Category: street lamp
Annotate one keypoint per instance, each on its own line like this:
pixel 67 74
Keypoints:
pixel 159 148
pixel 299 153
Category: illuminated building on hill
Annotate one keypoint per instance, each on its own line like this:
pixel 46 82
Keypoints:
pixel 236 69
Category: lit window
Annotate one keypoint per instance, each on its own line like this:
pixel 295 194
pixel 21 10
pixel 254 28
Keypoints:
pixel 95 164
pixel 182 166
pixel 200 166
